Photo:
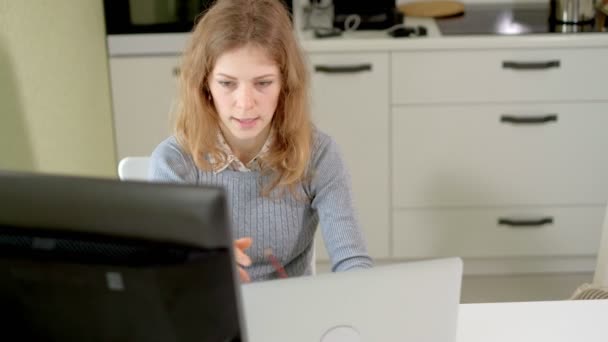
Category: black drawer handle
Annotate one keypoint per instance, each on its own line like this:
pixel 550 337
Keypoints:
pixel 530 65
pixel 176 71
pixel 525 223
pixel 528 120
pixel 343 69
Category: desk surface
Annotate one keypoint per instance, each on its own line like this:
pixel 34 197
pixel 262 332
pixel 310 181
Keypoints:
pixel 558 321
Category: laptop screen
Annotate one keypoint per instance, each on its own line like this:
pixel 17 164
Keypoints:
pixel 83 268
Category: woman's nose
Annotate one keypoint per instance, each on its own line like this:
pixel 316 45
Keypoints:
pixel 244 98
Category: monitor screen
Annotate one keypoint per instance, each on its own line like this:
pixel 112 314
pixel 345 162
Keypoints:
pixel 101 260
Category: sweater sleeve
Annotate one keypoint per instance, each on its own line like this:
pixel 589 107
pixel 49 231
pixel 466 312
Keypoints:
pixel 170 164
pixel 332 199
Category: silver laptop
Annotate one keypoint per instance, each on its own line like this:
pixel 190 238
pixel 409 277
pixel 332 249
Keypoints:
pixel 414 301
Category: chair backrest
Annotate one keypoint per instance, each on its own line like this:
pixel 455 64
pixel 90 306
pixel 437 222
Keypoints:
pixel 601 268
pixel 313 262
pixel 598 289
pixel 133 168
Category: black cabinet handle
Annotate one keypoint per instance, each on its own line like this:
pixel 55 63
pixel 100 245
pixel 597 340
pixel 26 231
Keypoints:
pixel 176 71
pixel 525 223
pixel 528 120
pixel 343 69
pixel 530 65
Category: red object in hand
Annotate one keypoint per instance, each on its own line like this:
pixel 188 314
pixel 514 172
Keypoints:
pixel 275 263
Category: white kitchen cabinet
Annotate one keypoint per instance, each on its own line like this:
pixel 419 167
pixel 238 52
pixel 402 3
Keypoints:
pixel 503 232
pixel 500 154
pixel 503 165
pixel 350 102
pixel 143 92
pixel 510 75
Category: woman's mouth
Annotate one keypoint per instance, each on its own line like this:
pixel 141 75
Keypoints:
pixel 246 123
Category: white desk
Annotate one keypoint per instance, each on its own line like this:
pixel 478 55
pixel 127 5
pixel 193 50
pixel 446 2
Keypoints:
pixel 559 321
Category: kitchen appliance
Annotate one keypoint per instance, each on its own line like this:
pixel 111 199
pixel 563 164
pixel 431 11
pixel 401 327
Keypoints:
pixel 602 12
pixel 366 14
pixel 155 16
pixel 508 19
pixel 573 12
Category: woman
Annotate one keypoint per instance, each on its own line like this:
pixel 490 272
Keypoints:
pixel 243 123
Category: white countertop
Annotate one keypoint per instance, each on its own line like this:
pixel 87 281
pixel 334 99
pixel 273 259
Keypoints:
pixel 359 41
pixel 559 321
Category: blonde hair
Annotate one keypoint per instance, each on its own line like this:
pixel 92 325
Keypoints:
pixel 227 25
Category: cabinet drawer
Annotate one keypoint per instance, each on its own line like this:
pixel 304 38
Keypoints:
pixel 477 156
pixel 500 75
pixel 477 232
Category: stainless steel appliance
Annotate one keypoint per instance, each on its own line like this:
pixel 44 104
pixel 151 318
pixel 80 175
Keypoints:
pixel 574 12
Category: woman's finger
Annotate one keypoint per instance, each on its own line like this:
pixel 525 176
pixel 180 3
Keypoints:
pixel 242 258
pixel 244 275
pixel 239 246
pixel 243 243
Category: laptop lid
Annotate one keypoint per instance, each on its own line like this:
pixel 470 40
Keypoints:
pixel 415 301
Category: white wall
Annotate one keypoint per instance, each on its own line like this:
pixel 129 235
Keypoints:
pixel 55 107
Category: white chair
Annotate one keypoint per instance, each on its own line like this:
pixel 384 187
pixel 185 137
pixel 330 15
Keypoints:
pixel 133 168
pixel 598 289
pixel 600 277
pixel 136 168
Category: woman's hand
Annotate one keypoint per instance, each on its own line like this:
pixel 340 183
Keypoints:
pixel 242 259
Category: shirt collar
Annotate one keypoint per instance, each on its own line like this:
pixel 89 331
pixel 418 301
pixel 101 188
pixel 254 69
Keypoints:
pixel 233 162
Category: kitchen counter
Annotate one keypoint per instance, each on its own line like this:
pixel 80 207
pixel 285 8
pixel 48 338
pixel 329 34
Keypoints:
pixel 520 25
pixel 368 42
pixel 173 43
pixel 467 32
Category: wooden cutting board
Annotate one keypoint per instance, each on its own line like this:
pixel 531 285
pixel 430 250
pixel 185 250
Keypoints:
pixel 433 9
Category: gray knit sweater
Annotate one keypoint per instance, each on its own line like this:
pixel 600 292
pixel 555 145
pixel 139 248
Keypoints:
pixel 285 224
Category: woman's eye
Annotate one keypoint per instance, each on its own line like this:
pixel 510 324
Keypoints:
pixel 226 84
pixel 264 83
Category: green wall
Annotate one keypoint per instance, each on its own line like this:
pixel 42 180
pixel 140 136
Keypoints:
pixel 55 106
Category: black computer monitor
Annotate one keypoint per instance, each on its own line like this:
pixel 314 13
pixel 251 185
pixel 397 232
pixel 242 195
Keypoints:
pixel 101 260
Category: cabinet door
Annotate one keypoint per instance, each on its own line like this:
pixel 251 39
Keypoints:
pixel 500 155
pixel 350 102
pixel 143 91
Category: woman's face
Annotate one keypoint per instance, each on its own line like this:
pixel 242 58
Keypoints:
pixel 245 85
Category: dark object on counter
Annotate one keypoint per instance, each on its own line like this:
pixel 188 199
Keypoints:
pixel 327 32
pixel 600 17
pixel 372 15
pixel 418 31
